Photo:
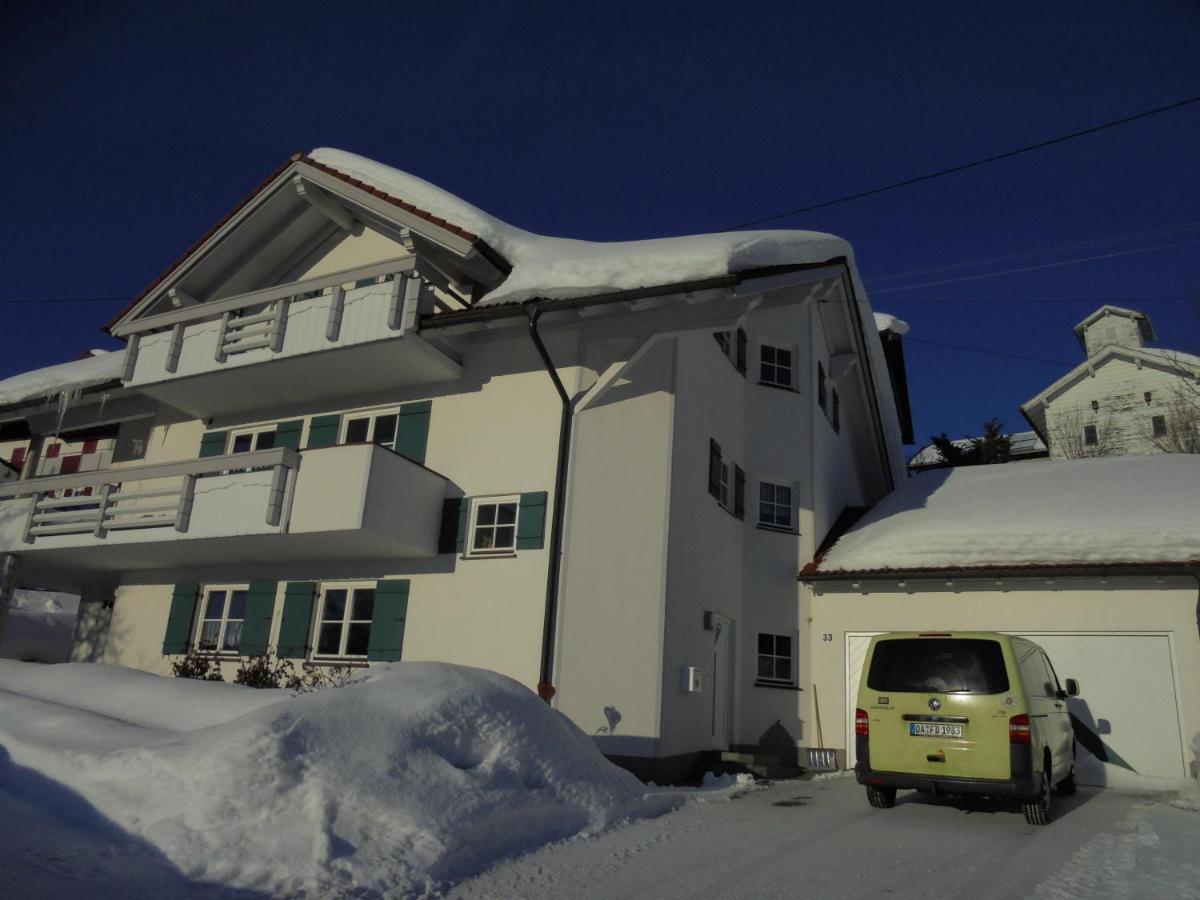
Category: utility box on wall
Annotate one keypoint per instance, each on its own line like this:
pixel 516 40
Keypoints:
pixel 692 680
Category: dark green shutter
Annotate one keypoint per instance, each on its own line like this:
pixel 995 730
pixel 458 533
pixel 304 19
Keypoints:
pixel 714 468
pixel 213 443
pixel 287 434
pixel 387 623
pixel 460 538
pixel 453 524
pixel 295 628
pixel 741 351
pixel 531 521
pixel 739 492
pixel 181 618
pixel 412 433
pixel 323 431
pixel 260 609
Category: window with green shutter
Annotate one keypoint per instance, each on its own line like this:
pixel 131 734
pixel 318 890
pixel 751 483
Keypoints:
pixel 260 610
pixel 323 431
pixel 387 624
pixel 453 532
pixel 412 432
pixel 287 434
pixel 181 618
pixel 295 628
pixel 531 521
pixel 213 443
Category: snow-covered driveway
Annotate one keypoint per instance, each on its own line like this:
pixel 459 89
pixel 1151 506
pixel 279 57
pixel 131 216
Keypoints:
pixel 820 839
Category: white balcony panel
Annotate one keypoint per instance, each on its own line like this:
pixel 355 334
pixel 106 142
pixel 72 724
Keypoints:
pixel 342 503
pixel 366 356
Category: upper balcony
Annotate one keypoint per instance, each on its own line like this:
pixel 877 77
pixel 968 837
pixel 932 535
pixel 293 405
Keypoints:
pixel 345 333
pixel 338 503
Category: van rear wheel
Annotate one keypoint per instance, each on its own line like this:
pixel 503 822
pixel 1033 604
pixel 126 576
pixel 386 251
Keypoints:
pixel 1037 809
pixel 881 797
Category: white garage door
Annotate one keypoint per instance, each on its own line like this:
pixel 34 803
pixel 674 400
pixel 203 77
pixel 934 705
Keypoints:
pixel 1128 698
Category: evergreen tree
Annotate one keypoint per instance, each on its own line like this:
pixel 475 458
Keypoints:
pixel 993 447
pixel 952 454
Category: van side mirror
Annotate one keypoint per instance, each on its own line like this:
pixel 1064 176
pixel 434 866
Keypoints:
pixel 1072 687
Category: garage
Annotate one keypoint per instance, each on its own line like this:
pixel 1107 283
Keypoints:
pixel 1129 709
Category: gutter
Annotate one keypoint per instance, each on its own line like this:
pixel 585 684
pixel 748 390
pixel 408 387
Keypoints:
pixel 1037 570
pixel 546 689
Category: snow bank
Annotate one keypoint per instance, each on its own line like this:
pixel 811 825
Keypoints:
pixel 560 268
pixel 63 378
pixel 1128 509
pixel 412 776
pixel 40 626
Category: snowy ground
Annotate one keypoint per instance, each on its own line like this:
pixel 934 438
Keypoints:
pixel 40 626
pixel 821 839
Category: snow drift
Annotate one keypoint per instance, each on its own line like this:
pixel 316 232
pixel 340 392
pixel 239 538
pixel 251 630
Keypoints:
pixel 412 776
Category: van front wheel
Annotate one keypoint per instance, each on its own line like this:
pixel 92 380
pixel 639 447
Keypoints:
pixel 881 797
pixel 1037 809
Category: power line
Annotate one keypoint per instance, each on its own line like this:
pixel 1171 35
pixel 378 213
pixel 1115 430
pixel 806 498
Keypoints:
pixel 1008 154
pixel 64 300
pixel 1052 265
pixel 1045 251
pixel 1037 359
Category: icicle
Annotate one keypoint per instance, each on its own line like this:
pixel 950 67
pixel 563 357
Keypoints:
pixel 103 400
pixel 66 399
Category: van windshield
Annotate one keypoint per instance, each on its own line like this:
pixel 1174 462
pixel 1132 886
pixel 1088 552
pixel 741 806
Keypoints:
pixel 953 665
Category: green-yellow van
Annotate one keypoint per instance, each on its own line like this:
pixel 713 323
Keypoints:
pixel 960 713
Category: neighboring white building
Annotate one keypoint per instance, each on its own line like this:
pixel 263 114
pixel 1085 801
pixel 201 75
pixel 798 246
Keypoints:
pixel 1125 398
pixel 363 420
pixel 1097 560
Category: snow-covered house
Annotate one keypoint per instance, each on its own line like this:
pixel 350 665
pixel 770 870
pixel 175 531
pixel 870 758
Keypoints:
pixel 1097 560
pixel 1124 398
pixel 1022 446
pixel 373 422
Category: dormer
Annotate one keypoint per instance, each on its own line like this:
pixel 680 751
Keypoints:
pixel 1114 325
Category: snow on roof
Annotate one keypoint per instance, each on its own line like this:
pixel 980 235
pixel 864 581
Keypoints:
pixel 561 268
pixel 1129 509
pixel 1020 443
pixel 102 366
pixel 887 322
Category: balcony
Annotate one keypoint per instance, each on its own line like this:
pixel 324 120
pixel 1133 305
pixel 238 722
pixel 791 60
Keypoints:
pixel 270 506
pixel 341 334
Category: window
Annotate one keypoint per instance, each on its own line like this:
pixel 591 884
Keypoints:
pixel 733 346
pixel 493 526
pixel 775 366
pixel 775 505
pixel 958 665
pixel 1159 425
pixel 722 338
pixel 721 472
pixel 221 626
pixel 775 658
pixel 377 428
pixel 258 439
pixel 344 627
pixel 821 385
pixel 1090 437
pixel 835 413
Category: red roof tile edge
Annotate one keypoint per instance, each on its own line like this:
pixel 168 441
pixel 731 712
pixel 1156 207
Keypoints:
pixel 294 158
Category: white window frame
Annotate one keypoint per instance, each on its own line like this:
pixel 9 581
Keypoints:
pixel 790 384
pixel 223 620
pixel 346 621
pixel 255 434
pixel 372 415
pixel 473 525
pixel 791 527
pixel 794 643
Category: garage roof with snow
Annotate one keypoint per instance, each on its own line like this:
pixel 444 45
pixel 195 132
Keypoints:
pixel 1131 510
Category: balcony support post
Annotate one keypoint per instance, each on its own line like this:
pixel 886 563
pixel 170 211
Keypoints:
pixel 131 354
pixel 279 325
pixel 175 349
pixel 102 511
pixel 337 306
pixel 275 500
pixel 29 519
pixel 8 584
pixel 187 497
pixel 219 356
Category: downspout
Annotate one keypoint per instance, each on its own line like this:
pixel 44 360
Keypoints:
pixel 546 689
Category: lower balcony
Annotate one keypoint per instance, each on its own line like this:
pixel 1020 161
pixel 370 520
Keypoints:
pixel 269 506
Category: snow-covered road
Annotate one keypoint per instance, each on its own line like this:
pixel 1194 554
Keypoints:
pixel 820 839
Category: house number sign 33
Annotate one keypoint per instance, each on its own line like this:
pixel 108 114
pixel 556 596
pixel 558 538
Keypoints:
pixel 826 637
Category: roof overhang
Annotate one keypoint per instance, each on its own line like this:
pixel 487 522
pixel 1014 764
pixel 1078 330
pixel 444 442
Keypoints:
pixel 1032 570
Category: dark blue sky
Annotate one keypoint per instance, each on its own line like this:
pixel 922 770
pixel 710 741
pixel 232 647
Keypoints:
pixel 128 129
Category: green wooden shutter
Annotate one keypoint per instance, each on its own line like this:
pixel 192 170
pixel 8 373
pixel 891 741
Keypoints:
pixel 741 351
pixel 213 443
pixel 453 524
pixel 260 609
pixel 323 431
pixel 387 623
pixel 460 538
pixel 412 433
pixel 531 521
pixel 739 492
pixel 714 468
pixel 181 618
pixel 295 628
pixel 287 434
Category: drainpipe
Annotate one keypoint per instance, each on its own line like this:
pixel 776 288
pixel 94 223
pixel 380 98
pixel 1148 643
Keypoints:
pixel 546 689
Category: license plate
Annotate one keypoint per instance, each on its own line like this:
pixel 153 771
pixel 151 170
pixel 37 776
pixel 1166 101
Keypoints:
pixel 934 729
